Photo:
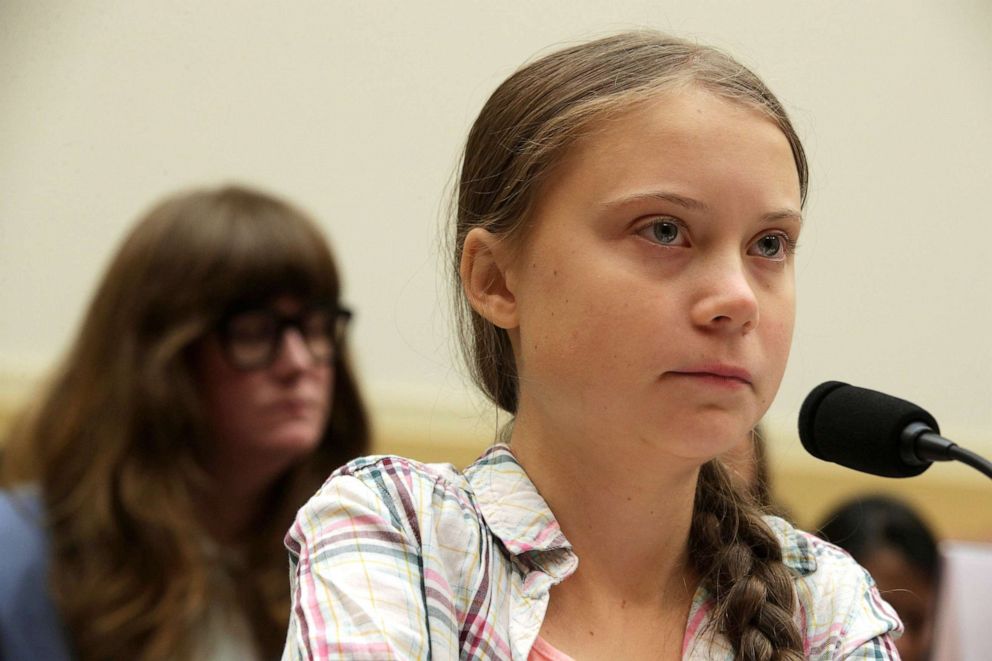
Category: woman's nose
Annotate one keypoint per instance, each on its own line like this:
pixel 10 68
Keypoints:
pixel 292 353
pixel 728 302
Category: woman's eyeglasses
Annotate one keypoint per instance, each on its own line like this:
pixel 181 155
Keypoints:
pixel 251 339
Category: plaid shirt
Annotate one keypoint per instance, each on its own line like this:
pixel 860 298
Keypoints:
pixel 393 559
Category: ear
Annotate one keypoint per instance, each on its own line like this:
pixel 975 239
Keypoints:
pixel 483 269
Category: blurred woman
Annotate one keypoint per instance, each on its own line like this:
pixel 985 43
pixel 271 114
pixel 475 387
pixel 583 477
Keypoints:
pixel 207 394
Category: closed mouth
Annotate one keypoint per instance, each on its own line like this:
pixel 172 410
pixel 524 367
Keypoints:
pixel 720 372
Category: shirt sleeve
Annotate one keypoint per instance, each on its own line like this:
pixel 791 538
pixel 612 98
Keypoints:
pixel 30 624
pixel 871 626
pixel 841 611
pixel 357 575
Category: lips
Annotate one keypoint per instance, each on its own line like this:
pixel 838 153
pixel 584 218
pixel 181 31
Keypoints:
pixel 295 405
pixel 717 371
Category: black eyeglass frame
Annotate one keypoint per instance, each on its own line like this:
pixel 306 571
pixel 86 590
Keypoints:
pixel 340 317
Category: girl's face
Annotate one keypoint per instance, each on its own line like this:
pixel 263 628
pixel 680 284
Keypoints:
pixel 654 291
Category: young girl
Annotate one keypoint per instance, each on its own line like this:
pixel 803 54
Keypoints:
pixel 627 216
pixel 206 396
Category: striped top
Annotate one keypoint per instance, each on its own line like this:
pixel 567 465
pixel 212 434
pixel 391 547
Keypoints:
pixel 394 559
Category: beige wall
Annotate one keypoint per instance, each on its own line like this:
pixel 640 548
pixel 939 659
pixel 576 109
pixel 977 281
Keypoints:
pixel 357 111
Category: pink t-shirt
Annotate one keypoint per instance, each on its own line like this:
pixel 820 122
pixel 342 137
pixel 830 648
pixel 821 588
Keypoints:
pixel 543 651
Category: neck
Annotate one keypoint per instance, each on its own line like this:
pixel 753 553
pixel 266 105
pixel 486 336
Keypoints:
pixel 625 507
pixel 232 502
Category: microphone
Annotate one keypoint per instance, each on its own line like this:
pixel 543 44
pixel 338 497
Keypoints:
pixel 875 433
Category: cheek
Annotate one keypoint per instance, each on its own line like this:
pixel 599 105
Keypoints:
pixel 778 319
pixel 223 391
pixel 231 403
pixel 588 338
pixel 560 314
pixel 325 385
pixel 779 337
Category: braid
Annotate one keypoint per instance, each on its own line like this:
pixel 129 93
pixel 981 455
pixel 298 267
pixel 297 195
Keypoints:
pixel 740 562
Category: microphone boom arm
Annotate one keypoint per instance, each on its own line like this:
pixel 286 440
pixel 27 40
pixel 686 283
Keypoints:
pixel 921 445
pixel 977 462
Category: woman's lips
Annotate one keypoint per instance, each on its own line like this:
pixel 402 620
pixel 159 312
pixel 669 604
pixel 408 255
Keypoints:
pixel 294 406
pixel 727 376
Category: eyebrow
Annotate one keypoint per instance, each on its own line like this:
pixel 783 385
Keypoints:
pixel 778 215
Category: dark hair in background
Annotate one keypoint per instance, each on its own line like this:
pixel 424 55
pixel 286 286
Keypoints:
pixel 865 525
pixel 117 439
pixel 522 133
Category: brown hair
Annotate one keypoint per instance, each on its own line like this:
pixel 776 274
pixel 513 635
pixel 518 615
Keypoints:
pixel 748 465
pixel 117 441
pixel 523 131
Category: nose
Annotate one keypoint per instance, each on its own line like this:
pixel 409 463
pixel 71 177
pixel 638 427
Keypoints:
pixel 292 353
pixel 728 302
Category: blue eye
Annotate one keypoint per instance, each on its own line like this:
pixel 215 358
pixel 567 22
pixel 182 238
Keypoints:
pixel 773 246
pixel 665 232
pixel 769 246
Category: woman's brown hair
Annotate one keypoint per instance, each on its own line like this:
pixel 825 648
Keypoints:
pixel 117 441
pixel 524 130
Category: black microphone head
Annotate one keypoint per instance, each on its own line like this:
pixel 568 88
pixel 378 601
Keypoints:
pixel 860 428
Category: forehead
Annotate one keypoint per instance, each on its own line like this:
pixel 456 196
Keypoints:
pixel 684 140
pixel 285 303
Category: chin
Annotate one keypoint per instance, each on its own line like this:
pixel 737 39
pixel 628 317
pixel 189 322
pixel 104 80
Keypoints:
pixel 295 440
pixel 704 437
